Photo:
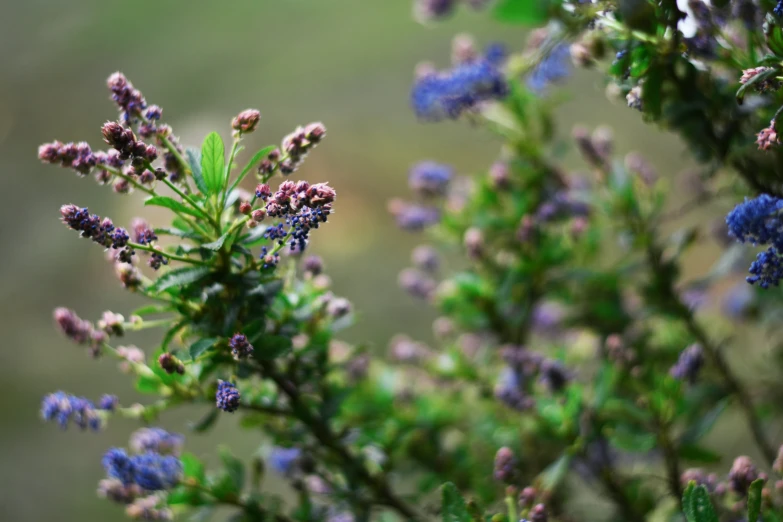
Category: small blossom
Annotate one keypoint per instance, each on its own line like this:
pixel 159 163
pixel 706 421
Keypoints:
pixel 505 465
pixel 65 408
pixel 132 355
pixel 553 68
pixel 426 258
pixel 147 508
pixel 116 491
pixel 474 243
pixel 538 513
pixel 634 98
pixel 74 328
pixel 428 10
pixel 338 307
pixel 240 346
pixel 767 269
pixel 313 265
pixel 156 440
pixel 283 460
pixel 430 179
pixel 170 364
pixel 112 324
pixel 227 397
pixel 554 375
pixel 129 275
pixel 416 283
pixel 742 473
pixel 413 217
pixel 108 402
pixel 767 137
pixel 246 121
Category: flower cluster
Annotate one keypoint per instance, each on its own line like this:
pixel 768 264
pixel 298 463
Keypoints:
pixel 427 10
pixel 91 226
pixel 240 346
pixel 151 471
pixel 689 364
pixel 758 222
pixel 553 68
pixel 227 397
pixel 439 95
pixel 64 408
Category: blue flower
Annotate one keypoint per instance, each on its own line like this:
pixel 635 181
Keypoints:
pixel 767 269
pixel 282 460
pixel 156 440
pixel 63 408
pixel 155 472
pixel 447 94
pixel 555 67
pixel 150 471
pixel 689 364
pixel 118 465
pixel 757 221
pixel 415 217
pixel 430 179
pixel 227 396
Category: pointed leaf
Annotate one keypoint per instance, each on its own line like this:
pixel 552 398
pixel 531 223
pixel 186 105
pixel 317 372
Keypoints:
pixel 185 234
pixel 216 244
pixel 702 505
pixel 205 422
pixel 234 467
pixel 754 500
pixel 255 160
pixel 194 160
pixel 213 163
pixel 192 467
pixel 687 502
pixel 201 346
pixel 173 204
pixel 454 509
pixel 178 277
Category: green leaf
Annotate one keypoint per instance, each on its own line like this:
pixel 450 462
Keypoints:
pixel 257 157
pixel 625 438
pixel 525 12
pixel 234 467
pixel 201 346
pixel 206 421
pixel 687 502
pixel 173 204
pixel 185 234
pixel 754 500
pixel 216 244
pixel 699 506
pixel 151 309
pixel 695 453
pixel 554 474
pixel 213 163
pixel 194 160
pixel 700 427
pixel 148 384
pixel 178 277
pixel 255 236
pixel 271 347
pixel 454 509
pixel 192 467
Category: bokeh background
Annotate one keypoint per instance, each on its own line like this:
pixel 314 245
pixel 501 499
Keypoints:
pixel 347 63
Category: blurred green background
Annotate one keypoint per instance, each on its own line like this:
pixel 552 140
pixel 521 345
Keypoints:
pixel 347 63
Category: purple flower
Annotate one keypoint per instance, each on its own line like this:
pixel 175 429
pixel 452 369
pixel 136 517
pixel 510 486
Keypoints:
pixel 689 364
pixel 151 471
pixel 227 397
pixel 283 460
pixel 156 440
pixel 555 67
pixel 240 346
pixel 64 408
pixel 430 179
pixel 447 94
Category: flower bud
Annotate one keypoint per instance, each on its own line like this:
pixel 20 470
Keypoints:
pixel 246 121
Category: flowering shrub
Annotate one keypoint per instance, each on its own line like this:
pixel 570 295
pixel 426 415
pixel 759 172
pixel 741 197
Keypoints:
pixel 571 354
